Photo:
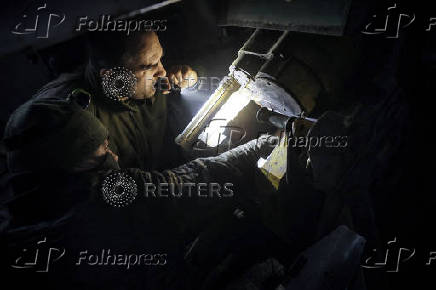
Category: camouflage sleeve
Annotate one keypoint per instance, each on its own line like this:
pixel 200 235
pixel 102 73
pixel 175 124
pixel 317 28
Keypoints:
pixel 231 166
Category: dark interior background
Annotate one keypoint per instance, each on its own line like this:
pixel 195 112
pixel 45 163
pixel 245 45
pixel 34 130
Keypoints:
pixel 192 37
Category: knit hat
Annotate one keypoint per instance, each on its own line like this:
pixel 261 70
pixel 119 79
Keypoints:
pixel 51 134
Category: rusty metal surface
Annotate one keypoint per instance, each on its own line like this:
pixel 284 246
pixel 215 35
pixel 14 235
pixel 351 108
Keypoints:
pixel 312 16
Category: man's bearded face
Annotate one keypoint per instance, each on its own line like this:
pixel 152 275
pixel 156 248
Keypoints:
pixel 145 63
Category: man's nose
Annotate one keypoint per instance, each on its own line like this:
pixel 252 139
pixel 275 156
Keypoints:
pixel 114 156
pixel 161 72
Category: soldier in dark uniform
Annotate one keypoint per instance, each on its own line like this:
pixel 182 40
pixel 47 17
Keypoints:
pixel 67 189
pixel 122 77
